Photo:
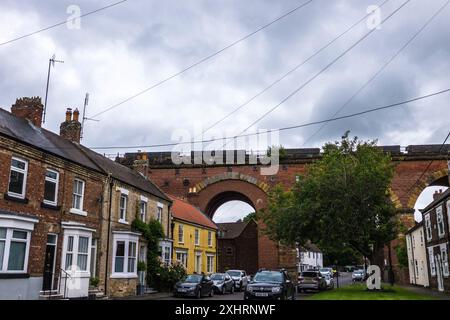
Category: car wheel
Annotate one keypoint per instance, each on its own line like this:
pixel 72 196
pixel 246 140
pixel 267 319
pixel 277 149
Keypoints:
pixel 211 293
pixel 293 296
pixel 232 290
pixel 199 294
pixel 223 289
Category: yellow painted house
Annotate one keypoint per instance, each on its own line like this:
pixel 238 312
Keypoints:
pixel 194 238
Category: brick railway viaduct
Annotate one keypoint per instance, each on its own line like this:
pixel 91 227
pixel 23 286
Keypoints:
pixel 210 186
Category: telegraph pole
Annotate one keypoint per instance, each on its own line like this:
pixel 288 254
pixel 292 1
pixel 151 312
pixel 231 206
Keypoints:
pixel 51 63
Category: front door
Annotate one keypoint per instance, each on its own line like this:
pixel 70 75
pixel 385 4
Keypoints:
pixel 440 278
pixel 49 263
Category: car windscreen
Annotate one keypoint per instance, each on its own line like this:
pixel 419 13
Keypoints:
pixel 217 277
pixel 276 277
pixel 192 278
pixel 234 273
pixel 309 274
pixel 325 270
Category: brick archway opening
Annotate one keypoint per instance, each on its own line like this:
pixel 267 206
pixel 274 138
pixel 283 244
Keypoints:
pixel 223 198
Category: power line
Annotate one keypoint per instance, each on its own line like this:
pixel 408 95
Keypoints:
pixel 157 84
pixel 61 23
pixel 283 128
pixel 291 70
pixel 380 70
pixel 427 167
pixel 322 70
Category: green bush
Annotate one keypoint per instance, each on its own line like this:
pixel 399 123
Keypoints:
pixel 94 282
pixel 167 276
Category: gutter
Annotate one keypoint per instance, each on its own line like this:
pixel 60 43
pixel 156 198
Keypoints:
pixel 111 184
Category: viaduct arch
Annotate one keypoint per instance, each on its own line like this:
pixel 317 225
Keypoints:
pixel 209 186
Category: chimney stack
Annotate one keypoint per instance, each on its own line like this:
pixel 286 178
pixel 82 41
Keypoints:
pixel 71 128
pixel 437 194
pixel 141 163
pixel 30 109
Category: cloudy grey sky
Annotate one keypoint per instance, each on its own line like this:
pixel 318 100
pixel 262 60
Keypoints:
pixel 125 49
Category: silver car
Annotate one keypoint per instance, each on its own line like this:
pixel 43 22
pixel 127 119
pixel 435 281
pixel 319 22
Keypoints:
pixel 329 280
pixel 222 283
pixel 358 275
pixel 240 279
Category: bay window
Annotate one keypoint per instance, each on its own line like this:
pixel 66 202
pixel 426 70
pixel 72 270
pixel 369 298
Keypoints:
pixel 51 187
pixel 18 178
pixel 125 246
pixel 14 247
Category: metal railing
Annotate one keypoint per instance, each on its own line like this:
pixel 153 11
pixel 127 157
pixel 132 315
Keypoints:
pixel 65 281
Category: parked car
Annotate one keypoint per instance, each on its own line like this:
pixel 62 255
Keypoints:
pixel 329 280
pixel 240 279
pixel 358 275
pixel 326 271
pixel 222 283
pixel 311 280
pixel 194 285
pixel 270 284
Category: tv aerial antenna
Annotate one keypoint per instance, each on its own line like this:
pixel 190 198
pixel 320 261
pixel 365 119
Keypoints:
pixel 51 63
pixel 86 102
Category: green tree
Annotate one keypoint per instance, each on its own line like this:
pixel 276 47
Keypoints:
pixel 249 217
pixel 341 201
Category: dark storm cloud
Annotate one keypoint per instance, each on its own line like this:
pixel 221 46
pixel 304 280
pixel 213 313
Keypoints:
pixel 125 49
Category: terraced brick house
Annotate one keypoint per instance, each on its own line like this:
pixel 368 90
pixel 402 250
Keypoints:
pixel 60 206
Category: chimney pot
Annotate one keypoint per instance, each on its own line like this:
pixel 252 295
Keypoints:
pixel 69 114
pixel 76 115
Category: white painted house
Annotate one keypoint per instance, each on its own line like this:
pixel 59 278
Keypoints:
pixel 417 256
pixel 309 256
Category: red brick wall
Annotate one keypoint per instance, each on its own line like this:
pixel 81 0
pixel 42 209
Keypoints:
pixel 49 220
pixel 407 171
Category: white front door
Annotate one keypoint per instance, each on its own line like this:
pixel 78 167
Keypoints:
pixel 439 273
pixel 198 263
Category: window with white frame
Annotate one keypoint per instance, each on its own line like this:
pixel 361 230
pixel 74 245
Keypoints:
pixel 198 262
pixel 125 254
pixel 197 237
pixel 444 256
pixel 432 265
pixel 182 257
pixel 448 214
pixel 180 234
pixel 77 250
pixel 428 226
pixel 159 213
pixel 18 178
pixel 78 194
pixel 210 243
pixel 209 263
pixel 165 249
pixel 440 221
pixel 14 247
pixel 143 210
pixel 51 187
pixel 123 203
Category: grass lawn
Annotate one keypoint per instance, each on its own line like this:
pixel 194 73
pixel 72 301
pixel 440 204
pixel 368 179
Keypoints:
pixel 359 292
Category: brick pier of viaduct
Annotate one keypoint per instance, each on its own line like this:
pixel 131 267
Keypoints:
pixel 209 186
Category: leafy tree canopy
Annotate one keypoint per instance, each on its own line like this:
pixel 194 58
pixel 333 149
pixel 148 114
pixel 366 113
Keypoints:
pixel 342 200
